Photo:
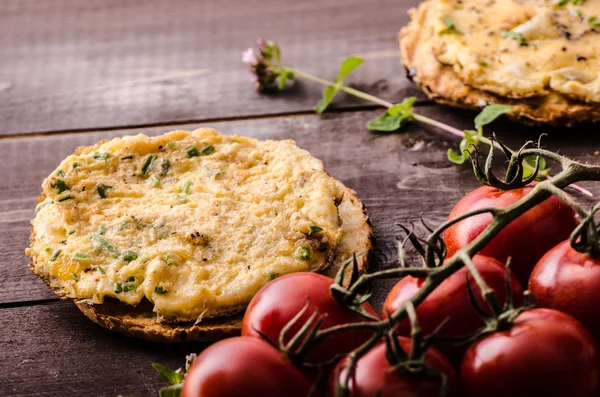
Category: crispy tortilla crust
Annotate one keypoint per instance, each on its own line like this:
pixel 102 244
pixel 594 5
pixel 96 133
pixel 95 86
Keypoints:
pixel 439 82
pixel 141 322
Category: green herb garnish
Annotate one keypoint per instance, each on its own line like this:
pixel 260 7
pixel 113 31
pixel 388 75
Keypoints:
pixel 65 199
pixel 450 26
pixel 60 173
pixel 81 257
pixel 55 255
pixel 129 286
pixel 314 229
pixel 75 277
pixel 128 157
pixel 102 230
pixel 514 36
pixel 75 165
pixel 186 187
pixel 159 289
pixel 129 256
pixel 101 156
pixel 48 249
pixel 118 288
pixel 273 276
pixel 484 64
pixel 102 190
pixel 101 269
pixel 164 168
pixel 147 167
pixel 102 242
pixel 154 181
pixel 208 150
pixel 303 253
pixel 171 145
pixel 192 152
pixel 71 232
pixel 42 205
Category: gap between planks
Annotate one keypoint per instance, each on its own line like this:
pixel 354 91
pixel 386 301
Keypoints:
pixel 181 123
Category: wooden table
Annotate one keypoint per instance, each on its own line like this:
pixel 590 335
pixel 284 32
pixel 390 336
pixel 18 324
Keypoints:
pixel 73 72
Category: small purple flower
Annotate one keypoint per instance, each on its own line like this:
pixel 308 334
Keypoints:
pixel 265 64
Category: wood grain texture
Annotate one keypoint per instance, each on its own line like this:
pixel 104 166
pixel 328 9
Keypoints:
pixel 68 64
pixel 52 350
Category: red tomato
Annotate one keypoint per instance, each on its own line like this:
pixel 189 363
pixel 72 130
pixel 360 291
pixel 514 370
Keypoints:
pixel 545 353
pixel 244 367
pixel 525 240
pixel 372 375
pixel 569 281
pixel 280 300
pixel 450 300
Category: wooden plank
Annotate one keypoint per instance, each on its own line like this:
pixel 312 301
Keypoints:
pixel 69 65
pixel 391 172
pixel 53 350
pixel 398 176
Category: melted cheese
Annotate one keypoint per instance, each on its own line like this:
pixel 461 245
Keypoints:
pixel 194 222
pixel 521 48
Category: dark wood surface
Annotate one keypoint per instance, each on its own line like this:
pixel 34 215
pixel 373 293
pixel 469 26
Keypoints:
pixel 72 73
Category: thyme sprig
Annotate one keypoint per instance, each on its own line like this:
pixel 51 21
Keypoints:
pixel 266 65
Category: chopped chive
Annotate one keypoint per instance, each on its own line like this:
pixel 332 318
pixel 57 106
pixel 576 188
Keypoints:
pixel 171 145
pixel 159 289
pixel 101 270
pixel 118 288
pixel 233 142
pixel 131 278
pixel 130 256
pixel 60 173
pixel 303 253
pixel 48 249
pixel 147 167
pixel 102 190
pixel 273 276
pixel 130 285
pixel 81 257
pixel 61 186
pixel 192 152
pixel 65 199
pixel 314 229
pixel 128 157
pixel 561 3
pixel 75 165
pixel 484 64
pixel 123 225
pixel 102 230
pixel 101 156
pixel 42 205
pixel 72 232
pixel 55 255
pixel 514 36
pixel 154 181
pixel 164 168
pixel 186 187
pixel 208 150
pixel 101 242
pixel 75 277
pixel 450 26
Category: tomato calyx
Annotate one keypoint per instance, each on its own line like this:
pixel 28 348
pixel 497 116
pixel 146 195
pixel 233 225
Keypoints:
pixel 586 236
pixel 515 176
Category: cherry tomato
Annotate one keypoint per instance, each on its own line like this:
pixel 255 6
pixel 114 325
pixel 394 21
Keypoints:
pixel 244 366
pixel 450 300
pixel 545 353
pixel 569 281
pixel 525 240
pixel 281 299
pixel 372 376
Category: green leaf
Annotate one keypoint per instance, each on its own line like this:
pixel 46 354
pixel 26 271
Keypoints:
pixel 394 118
pixel 457 158
pixel 491 113
pixel 348 66
pixel 328 94
pixel 168 375
pixel 530 160
pixel 282 78
pixel 170 391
